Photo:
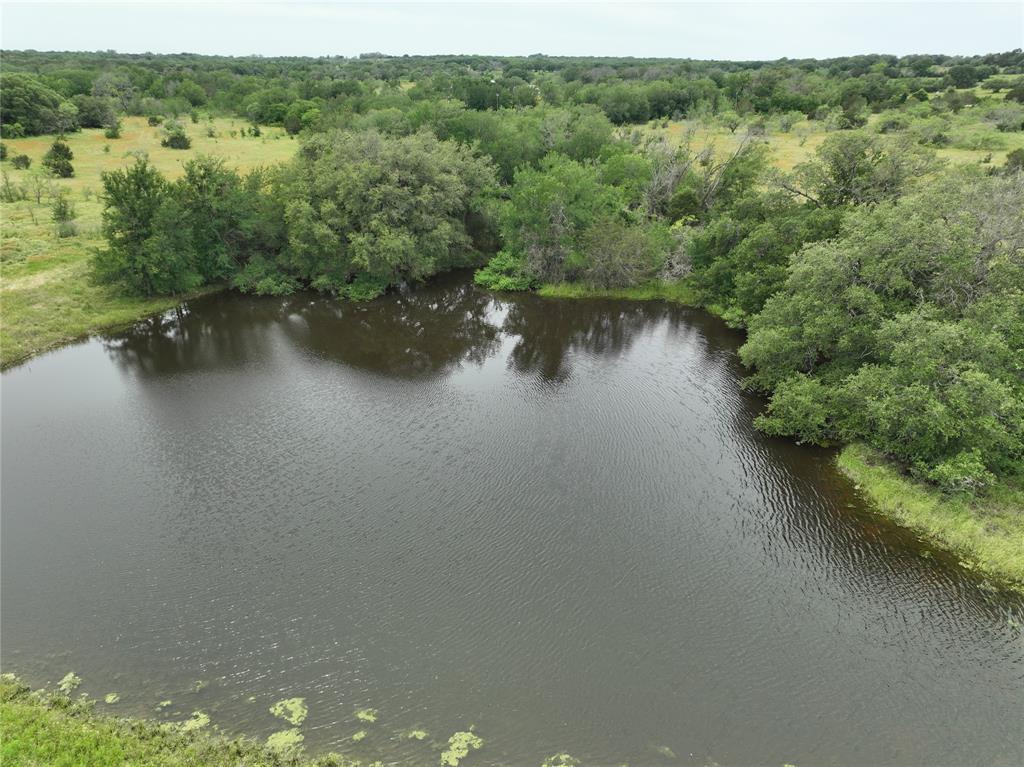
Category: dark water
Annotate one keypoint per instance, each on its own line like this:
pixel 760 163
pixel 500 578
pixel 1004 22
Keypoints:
pixel 550 520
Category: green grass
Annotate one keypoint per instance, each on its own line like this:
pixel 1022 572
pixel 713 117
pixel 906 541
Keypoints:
pixel 46 296
pixel 972 139
pixel 52 729
pixel 987 533
pixel 680 292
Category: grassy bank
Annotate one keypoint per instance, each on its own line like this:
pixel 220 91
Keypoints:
pixel 680 292
pixel 46 296
pixel 54 729
pixel 987 533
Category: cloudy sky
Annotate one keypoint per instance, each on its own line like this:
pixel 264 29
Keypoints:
pixel 724 30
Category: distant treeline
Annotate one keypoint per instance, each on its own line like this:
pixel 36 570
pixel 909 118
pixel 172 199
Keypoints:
pixel 52 92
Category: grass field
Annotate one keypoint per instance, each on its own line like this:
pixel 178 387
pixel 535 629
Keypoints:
pixel 798 145
pixel 46 297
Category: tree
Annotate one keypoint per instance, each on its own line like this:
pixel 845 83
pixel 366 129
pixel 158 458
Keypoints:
pixel 861 168
pixel 58 159
pixel 548 214
pixel 906 332
pixel 133 199
pixel 730 120
pixel 63 212
pixel 21 161
pixel 29 104
pixel 380 210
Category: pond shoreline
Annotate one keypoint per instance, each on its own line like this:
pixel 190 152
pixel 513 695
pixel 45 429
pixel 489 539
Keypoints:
pixel 46 727
pixel 981 531
pixel 964 528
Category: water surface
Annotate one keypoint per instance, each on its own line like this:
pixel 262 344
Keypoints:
pixel 551 520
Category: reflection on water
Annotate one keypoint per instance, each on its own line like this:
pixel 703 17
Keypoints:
pixel 548 519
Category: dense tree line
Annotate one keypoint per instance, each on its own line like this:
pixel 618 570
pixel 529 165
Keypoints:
pixel 50 92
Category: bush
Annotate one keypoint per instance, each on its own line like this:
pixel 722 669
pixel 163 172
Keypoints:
pixel 965 472
pixel 63 212
pixel 58 159
pixel 504 272
pixel 175 137
pixel 3 151
pixel 21 161
pixel 113 130
pixel 1014 161
pixel 154 120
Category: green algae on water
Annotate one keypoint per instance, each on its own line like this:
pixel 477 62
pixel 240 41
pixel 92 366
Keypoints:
pixel 359 736
pixel 70 681
pixel 292 710
pixel 417 735
pixel 459 746
pixel 286 742
pixel 561 760
pixel 198 721
pixel 111 697
pixel 367 715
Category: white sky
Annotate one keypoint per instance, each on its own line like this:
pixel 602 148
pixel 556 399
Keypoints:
pixel 722 30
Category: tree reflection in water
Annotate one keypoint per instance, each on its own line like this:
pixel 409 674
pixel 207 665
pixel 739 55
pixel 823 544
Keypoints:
pixel 414 333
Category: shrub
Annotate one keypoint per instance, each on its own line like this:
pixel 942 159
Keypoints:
pixel 63 212
pixel 113 130
pixel 21 161
pixel 58 159
pixel 175 137
pixel 964 473
pixel 3 151
pixel 154 120
pixel 1014 161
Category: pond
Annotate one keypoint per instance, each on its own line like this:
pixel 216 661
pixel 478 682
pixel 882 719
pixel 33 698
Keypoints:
pixel 550 520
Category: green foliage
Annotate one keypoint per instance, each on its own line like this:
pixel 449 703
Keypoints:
pixel 389 209
pixel 168 238
pixel 63 213
pixel 905 332
pixel 549 212
pixel 30 105
pixel 862 168
pixel 175 137
pixel 57 160
pixel 504 272
pixel 21 161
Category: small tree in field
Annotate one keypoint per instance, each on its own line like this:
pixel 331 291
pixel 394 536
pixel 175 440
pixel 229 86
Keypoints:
pixel 58 159
pixel 63 211
pixel 731 120
pixel 21 161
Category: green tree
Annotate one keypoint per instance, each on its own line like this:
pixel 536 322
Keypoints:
pixel 384 209
pixel 58 159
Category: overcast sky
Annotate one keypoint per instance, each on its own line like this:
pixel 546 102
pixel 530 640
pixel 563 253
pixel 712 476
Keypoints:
pixel 723 30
